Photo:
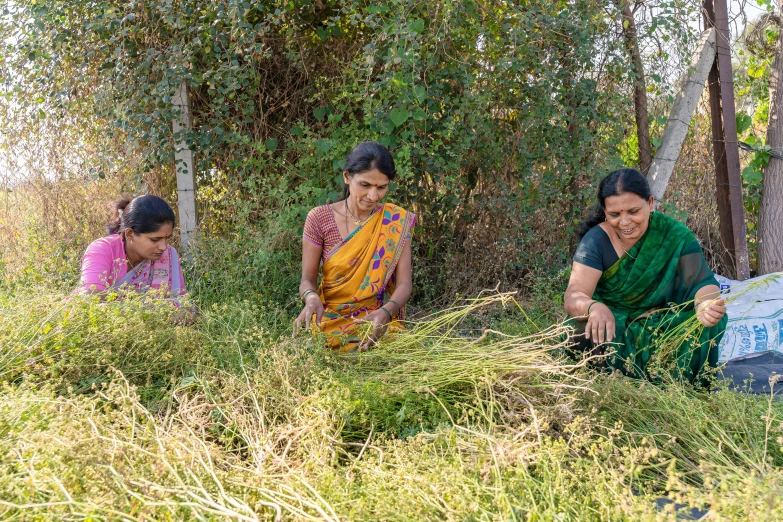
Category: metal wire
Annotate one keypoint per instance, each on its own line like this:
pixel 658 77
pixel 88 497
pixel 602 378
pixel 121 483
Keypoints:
pixel 772 152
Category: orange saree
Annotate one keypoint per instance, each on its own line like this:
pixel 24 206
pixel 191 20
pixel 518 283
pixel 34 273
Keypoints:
pixel 358 274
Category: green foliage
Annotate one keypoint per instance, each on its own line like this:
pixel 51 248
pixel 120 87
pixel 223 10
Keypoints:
pixel 629 150
pixel 744 121
pixel 492 112
pixel 501 117
pixel 753 172
pixel 76 341
pixel 752 177
pixel 261 266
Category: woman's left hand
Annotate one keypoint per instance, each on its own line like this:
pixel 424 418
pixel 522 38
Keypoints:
pixel 711 311
pixel 380 321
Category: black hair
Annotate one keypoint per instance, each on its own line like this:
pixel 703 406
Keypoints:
pixel 367 156
pixel 143 214
pixel 621 181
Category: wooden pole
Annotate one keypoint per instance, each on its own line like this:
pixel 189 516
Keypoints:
pixel 725 144
pixel 184 166
pixel 631 38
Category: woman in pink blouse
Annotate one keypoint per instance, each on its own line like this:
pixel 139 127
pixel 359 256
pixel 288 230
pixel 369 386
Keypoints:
pixel 136 254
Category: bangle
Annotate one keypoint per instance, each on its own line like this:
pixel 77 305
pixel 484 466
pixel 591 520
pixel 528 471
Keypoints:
pixel 306 292
pixel 395 302
pixel 590 306
pixel 387 313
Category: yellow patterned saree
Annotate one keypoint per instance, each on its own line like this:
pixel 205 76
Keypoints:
pixel 358 274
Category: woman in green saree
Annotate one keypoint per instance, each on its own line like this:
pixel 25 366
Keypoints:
pixel 638 277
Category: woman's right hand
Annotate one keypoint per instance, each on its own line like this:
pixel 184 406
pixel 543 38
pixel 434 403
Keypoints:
pixel 711 311
pixel 312 306
pixel 600 324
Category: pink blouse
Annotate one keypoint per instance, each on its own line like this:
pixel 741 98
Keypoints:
pixel 321 229
pixel 104 263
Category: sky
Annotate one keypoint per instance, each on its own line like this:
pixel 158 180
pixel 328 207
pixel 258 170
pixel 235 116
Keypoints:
pixel 751 11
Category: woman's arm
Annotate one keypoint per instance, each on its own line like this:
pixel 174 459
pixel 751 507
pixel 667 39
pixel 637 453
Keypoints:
pixel 311 259
pixel 578 301
pixel 403 277
pixel 710 306
pixel 581 286
pixel 97 268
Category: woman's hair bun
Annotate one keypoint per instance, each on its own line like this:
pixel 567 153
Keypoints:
pixel 143 214
pixel 118 207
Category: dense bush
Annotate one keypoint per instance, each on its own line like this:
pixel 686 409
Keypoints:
pixel 500 115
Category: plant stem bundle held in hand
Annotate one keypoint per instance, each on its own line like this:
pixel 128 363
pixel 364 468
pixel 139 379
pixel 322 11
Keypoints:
pixel 673 336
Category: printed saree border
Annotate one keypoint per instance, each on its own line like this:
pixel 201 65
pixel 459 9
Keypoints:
pixel 345 241
pixel 410 219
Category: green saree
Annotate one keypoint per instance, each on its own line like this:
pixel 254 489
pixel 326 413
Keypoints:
pixel 650 291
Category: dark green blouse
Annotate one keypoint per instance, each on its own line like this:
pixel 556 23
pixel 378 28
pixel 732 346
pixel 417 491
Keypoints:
pixel 596 250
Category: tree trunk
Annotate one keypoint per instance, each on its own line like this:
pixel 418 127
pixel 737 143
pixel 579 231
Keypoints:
pixel 770 234
pixel 639 87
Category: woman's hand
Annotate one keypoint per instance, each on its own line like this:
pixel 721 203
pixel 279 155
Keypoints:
pixel 600 324
pixel 380 320
pixel 711 311
pixel 312 306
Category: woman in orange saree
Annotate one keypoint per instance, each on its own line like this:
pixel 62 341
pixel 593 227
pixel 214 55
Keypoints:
pixel 364 248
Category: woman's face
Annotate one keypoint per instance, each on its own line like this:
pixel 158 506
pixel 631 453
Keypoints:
pixel 628 214
pixel 367 188
pixel 150 245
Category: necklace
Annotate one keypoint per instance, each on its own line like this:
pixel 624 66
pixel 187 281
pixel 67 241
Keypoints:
pixel 131 263
pixel 621 246
pixel 125 251
pixel 357 221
